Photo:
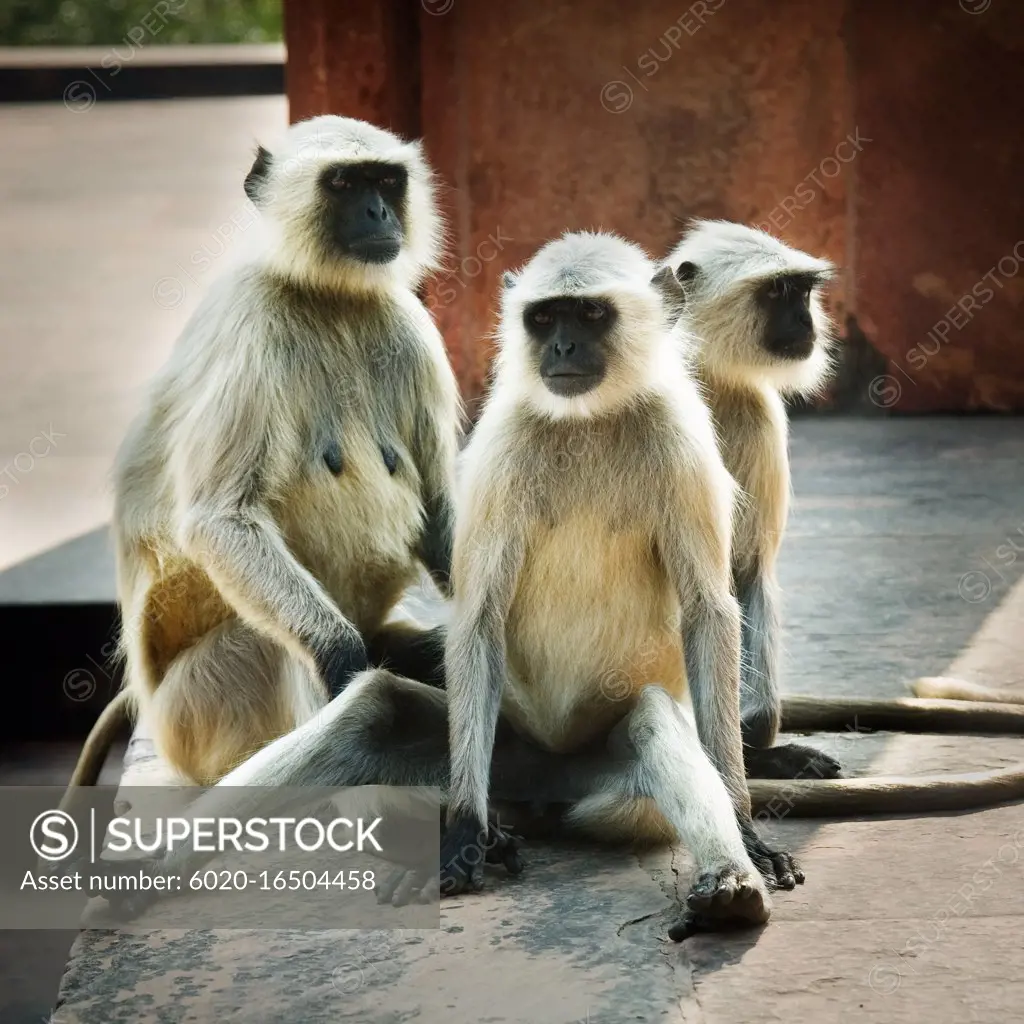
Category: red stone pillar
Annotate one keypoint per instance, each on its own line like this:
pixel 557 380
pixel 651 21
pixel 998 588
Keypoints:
pixel 359 58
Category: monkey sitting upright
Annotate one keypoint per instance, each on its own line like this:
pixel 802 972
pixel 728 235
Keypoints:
pixel 293 465
pixel 754 307
pixel 593 542
pixel 592 564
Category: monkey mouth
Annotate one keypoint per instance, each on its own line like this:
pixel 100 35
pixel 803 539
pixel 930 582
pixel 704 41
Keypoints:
pixel 569 384
pixel 789 348
pixel 382 249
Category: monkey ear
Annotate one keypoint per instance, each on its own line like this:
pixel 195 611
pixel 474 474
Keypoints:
pixel 508 279
pixel 686 272
pixel 667 284
pixel 257 174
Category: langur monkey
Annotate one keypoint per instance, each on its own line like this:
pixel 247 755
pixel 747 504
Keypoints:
pixel 293 464
pixel 592 541
pixel 754 307
pixel 592 589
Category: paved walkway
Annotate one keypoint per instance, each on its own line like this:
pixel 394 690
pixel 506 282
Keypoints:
pixel 899 563
pixel 114 219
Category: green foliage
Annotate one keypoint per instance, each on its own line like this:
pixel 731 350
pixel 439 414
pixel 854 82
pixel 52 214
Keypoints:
pixel 160 22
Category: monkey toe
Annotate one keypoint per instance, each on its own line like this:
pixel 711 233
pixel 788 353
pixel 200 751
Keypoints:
pixel 504 848
pixel 777 867
pixel 790 761
pixel 787 874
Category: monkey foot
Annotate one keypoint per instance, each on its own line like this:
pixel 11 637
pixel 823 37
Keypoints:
pixel 727 897
pixel 790 761
pixel 464 851
pixel 777 867
pixel 410 885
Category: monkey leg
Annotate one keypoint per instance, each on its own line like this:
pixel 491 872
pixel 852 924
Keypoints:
pixel 760 700
pixel 660 785
pixel 226 697
pixel 408 650
pixel 381 730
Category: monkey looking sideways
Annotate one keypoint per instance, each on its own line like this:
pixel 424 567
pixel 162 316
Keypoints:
pixel 760 332
pixel 293 465
pixel 755 309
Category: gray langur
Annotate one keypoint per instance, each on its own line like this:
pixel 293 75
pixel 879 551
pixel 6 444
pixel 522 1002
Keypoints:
pixel 592 540
pixel 293 465
pixel 754 307
pixel 591 576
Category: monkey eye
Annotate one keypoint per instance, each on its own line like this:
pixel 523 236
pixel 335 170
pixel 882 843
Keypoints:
pixel 541 317
pixel 340 182
pixel 391 182
pixel 593 311
pixel 776 290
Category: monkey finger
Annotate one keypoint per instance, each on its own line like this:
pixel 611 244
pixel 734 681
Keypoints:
pixel 386 890
pixel 408 888
pixel 787 874
pixel 431 891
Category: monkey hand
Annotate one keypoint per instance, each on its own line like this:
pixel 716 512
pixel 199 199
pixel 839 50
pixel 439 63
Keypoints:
pixel 466 847
pixel 778 867
pixel 345 658
pixel 790 761
pixel 127 904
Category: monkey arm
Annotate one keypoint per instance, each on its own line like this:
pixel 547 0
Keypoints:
pixel 435 548
pixel 475 661
pixel 694 542
pixel 245 556
pixel 435 449
pixel 486 569
pixel 759 700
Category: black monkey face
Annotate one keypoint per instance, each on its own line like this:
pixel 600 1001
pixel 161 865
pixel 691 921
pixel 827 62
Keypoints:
pixel 788 325
pixel 570 339
pixel 365 210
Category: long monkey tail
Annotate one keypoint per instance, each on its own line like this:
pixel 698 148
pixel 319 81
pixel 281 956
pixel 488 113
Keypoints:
pixel 904 714
pixel 886 794
pixel 115 716
pixel 960 689
pixel 982 712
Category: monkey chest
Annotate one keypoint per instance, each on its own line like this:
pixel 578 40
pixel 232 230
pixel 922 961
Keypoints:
pixel 354 516
pixel 593 621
